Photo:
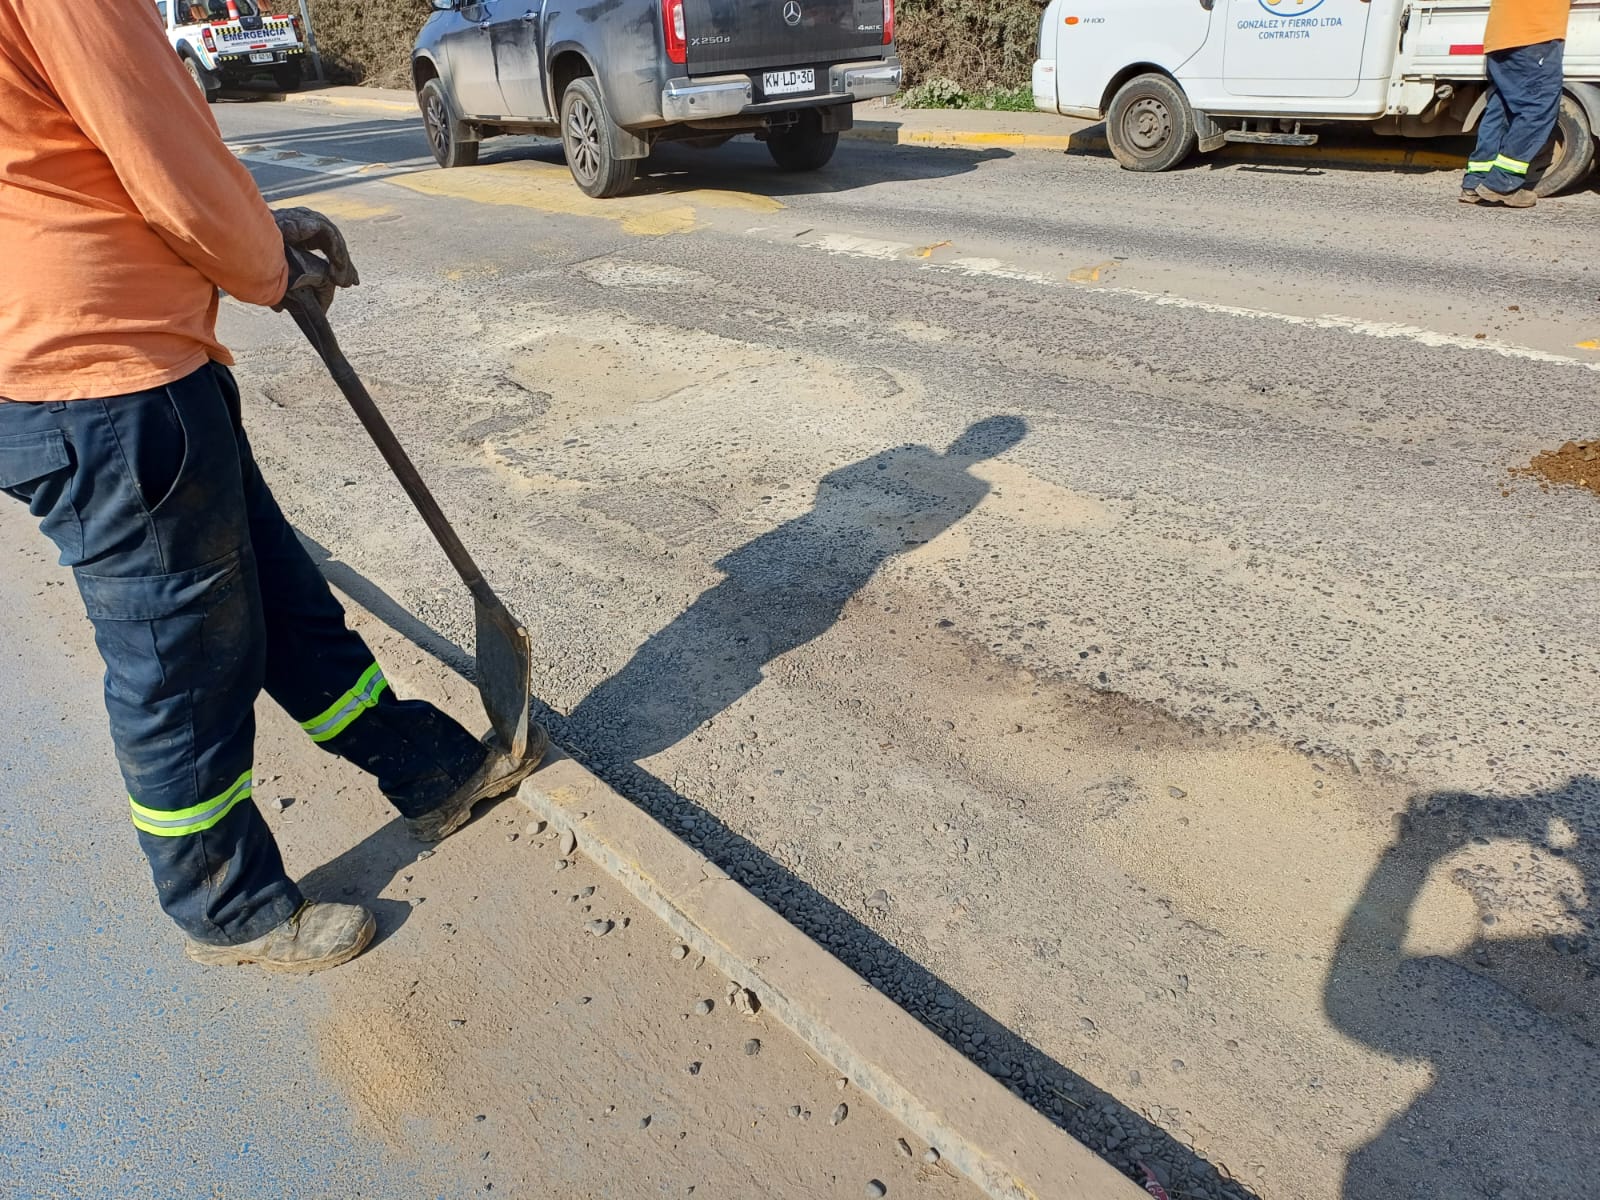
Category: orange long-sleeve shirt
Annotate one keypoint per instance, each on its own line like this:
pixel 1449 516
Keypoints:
pixel 1514 23
pixel 121 211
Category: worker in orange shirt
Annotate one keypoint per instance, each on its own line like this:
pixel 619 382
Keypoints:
pixel 1523 46
pixel 122 213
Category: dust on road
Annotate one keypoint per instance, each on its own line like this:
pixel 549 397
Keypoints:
pixel 1113 754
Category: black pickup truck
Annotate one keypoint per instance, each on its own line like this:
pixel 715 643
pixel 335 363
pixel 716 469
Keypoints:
pixel 615 77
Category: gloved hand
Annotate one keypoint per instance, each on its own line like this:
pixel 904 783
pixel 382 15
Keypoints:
pixel 304 234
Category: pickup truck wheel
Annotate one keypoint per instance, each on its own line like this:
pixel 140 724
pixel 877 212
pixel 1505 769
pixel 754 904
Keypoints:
pixel 449 149
pixel 586 136
pixel 803 146
pixel 197 74
pixel 1149 124
pixel 286 76
pixel 1571 150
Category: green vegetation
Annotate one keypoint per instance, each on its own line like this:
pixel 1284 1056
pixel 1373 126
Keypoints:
pixel 940 92
pixel 368 42
pixel 982 46
pixel 977 53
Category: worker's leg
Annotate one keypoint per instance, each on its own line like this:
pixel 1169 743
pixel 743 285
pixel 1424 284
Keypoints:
pixel 1491 129
pixel 324 676
pixel 1531 79
pixel 142 495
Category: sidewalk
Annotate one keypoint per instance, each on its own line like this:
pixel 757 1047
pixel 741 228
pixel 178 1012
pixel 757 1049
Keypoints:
pixel 882 121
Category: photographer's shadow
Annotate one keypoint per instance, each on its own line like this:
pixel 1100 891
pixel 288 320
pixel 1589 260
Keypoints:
pixel 785 588
pixel 1508 1024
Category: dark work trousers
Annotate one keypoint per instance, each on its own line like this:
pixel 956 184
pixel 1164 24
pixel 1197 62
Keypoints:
pixel 201 595
pixel 1519 117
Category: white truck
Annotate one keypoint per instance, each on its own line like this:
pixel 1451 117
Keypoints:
pixel 1172 76
pixel 225 42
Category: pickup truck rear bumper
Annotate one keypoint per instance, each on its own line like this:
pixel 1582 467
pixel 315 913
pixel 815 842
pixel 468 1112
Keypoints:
pixel 729 95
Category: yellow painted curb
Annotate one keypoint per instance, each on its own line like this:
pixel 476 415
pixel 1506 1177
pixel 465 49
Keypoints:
pixel 374 104
pixel 883 131
pixel 1088 141
pixel 1353 156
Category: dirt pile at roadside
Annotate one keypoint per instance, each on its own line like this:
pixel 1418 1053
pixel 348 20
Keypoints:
pixel 1574 463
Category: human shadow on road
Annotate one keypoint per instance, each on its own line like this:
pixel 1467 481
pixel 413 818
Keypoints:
pixel 359 875
pixel 1508 1025
pixel 785 588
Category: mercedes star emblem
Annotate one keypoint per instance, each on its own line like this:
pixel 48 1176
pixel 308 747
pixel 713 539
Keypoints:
pixel 791 12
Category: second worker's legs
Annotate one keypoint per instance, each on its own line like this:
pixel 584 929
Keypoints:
pixel 1491 129
pixel 1530 80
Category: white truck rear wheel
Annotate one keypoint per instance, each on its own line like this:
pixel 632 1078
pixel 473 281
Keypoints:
pixel 1571 150
pixel 1149 124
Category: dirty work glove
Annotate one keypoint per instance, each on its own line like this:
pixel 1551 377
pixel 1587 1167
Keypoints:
pixel 305 233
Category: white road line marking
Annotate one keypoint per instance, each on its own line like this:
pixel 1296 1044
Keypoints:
pixel 1356 325
pixel 878 249
pixel 322 164
pixel 859 247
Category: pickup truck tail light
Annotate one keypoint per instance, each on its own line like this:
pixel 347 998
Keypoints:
pixel 299 33
pixel 211 42
pixel 888 21
pixel 672 27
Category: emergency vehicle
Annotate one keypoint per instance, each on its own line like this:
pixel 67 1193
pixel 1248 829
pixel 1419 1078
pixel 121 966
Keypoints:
pixel 1172 76
pixel 226 42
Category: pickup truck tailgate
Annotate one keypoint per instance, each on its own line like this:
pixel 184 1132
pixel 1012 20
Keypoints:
pixel 745 35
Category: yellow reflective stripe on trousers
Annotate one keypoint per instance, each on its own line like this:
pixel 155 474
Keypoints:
pixel 197 818
pixel 1511 165
pixel 1480 168
pixel 337 717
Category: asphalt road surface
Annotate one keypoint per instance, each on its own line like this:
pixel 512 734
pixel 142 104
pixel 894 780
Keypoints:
pixel 1098 606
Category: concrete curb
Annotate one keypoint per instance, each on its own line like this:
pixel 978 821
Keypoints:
pixel 375 104
pixel 1089 141
pixel 966 139
pixel 1006 1148
pixel 1093 141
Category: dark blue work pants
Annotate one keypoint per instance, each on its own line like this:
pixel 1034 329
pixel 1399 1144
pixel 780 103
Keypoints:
pixel 201 595
pixel 1519 117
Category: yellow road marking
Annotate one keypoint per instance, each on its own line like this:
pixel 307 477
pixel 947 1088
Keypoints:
pixel 1090 274
pixel 549 188
pixel 340 206
pixel 1590 344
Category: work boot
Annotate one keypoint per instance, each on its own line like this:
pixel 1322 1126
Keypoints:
pixel 1470 196
pixel 1521 198
pixel 317 936
pixel 497 776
